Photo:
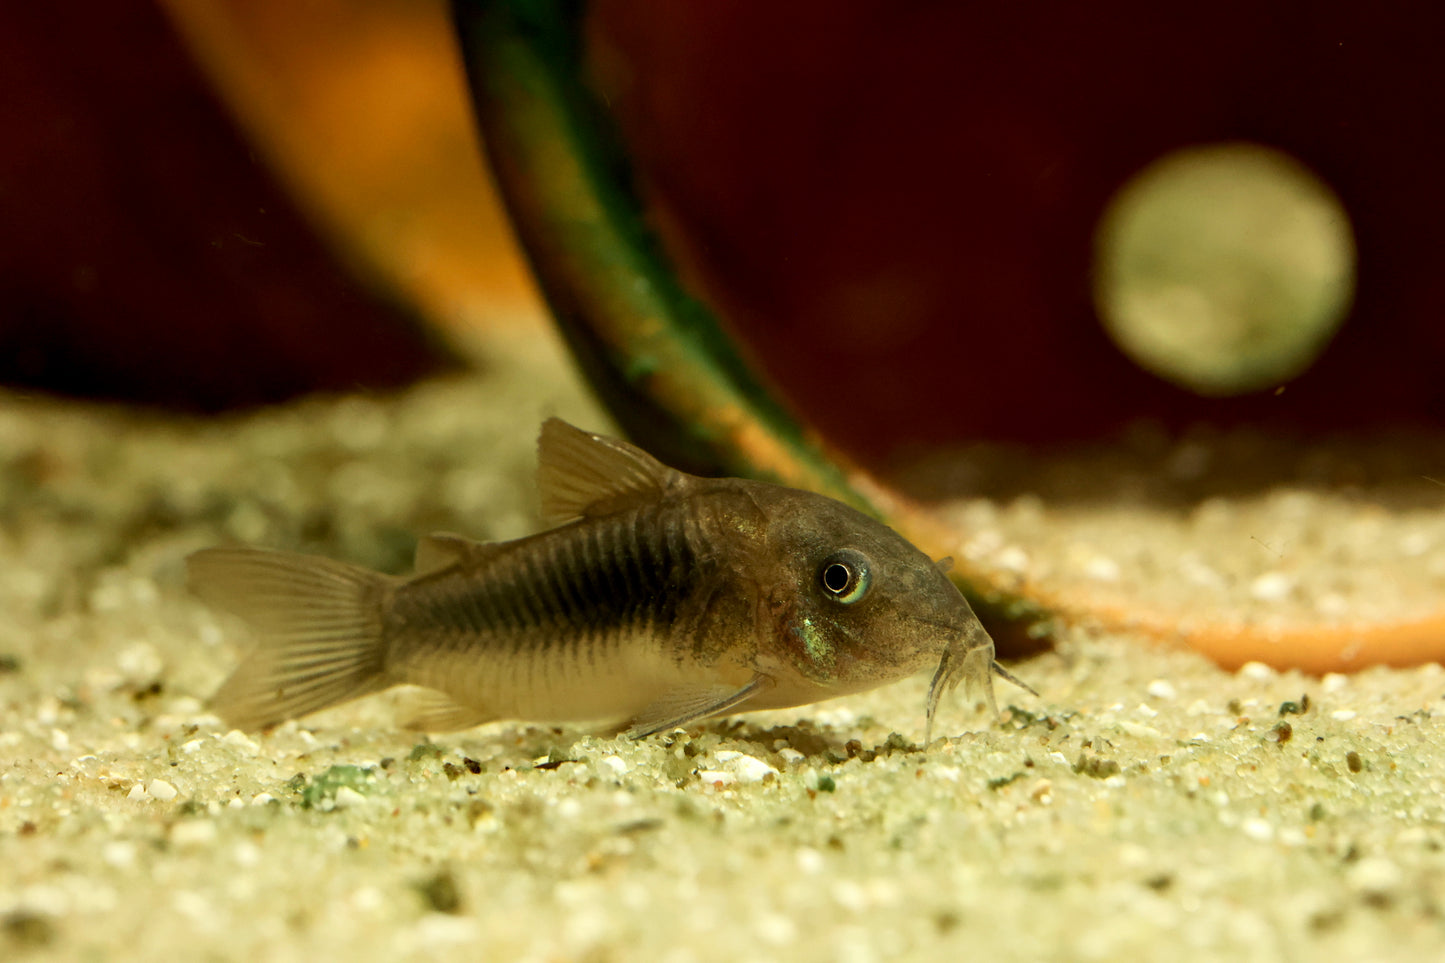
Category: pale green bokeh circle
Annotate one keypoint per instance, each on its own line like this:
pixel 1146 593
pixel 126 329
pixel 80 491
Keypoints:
pixel 1225 269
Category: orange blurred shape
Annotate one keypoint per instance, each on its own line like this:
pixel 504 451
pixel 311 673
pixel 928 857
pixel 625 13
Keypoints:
pixel 146 255
pixel 361 107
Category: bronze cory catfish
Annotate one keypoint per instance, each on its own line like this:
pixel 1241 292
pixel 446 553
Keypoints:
pixel 659 599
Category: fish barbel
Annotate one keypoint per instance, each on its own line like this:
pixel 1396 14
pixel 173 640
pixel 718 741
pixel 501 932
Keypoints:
pixel 658 599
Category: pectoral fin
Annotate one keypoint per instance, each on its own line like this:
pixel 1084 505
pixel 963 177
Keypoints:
pixel 690 704
pixel 432 711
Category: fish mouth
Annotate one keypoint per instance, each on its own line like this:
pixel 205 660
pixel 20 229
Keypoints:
pixel 970 658
pixel 961 660
pixel 968 655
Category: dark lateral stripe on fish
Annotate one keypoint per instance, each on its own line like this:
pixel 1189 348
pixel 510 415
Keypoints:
pixel 590 568
pixel 626 560
pixel 630 574
pixel 600 583
pixel 571 579
pixel 669 563
pixel 534 589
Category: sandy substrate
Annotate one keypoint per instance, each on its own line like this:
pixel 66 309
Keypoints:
pixel 1148 805
pixel 1268 530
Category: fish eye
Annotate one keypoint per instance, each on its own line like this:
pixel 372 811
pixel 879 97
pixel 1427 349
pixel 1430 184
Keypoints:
pixel 844 575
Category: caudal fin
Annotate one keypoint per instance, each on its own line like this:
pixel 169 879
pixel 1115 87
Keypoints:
pixel 319 626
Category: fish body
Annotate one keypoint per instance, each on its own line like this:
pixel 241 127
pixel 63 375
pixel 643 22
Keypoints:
pixel 658 599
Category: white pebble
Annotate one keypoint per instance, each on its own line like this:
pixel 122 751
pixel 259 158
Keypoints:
pixel 810 861
pixel 189 707
pixel 714 777
pixel 1334 682
pixel 1257 672
pixel 617 764
pixel 751 769
pixel 775 929
pixel 1376 876
pixel 1259 830
pixel 1271 586
pixel 368 899
pixel 1013 559
pixel 1134 856
pixel 262 798
pixel 791 755
pixel 747 768
pixel 138 791
pixel 1161 689
pixel 1342 715
pixel 194 832
pixel 162 790
pixel 118 853
pixel 346 797
pixel 241 741
pixel 1101 568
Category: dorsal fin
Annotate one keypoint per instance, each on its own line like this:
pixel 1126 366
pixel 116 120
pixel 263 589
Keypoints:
pixel 442 550
pixel 581 474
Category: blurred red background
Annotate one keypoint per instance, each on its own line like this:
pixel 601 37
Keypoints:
pixel 217 203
